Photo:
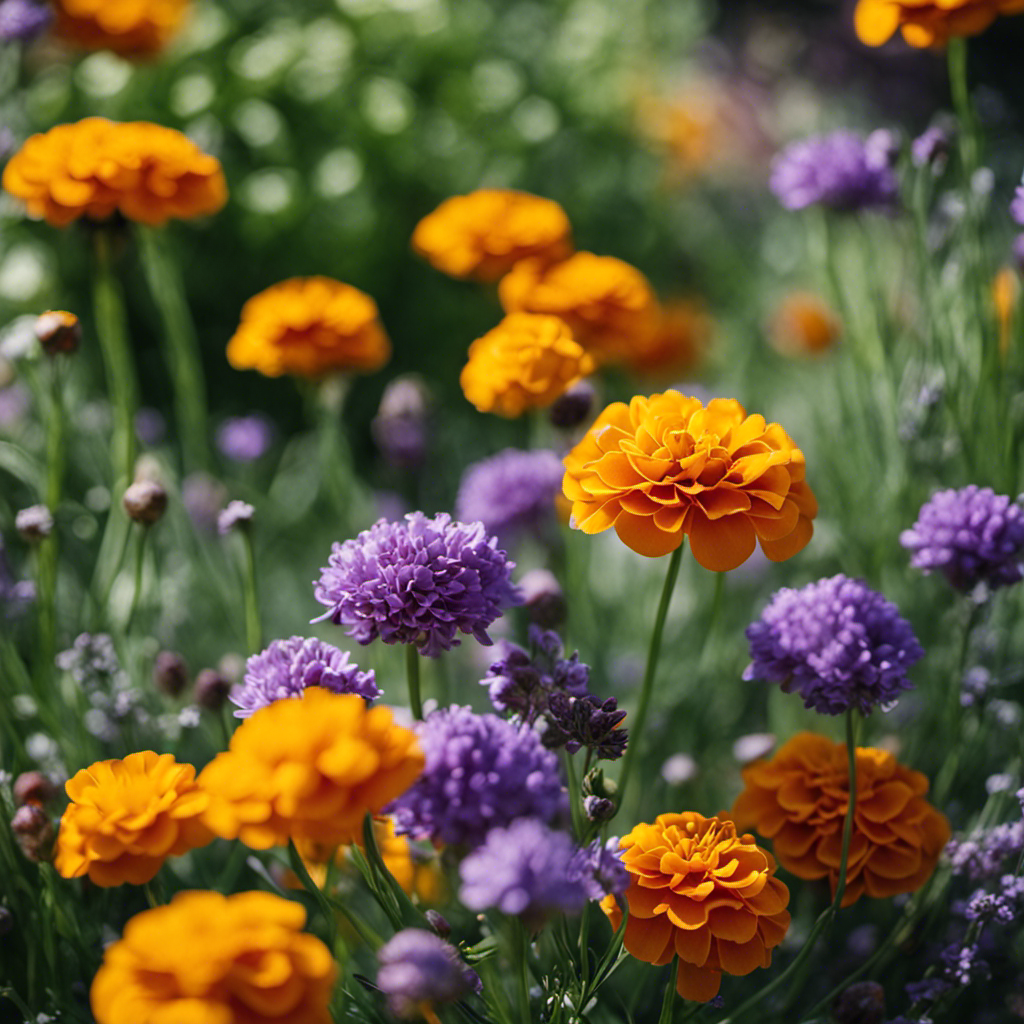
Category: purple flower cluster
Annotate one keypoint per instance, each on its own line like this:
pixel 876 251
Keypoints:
pixel 984 856
pixel 839 171
pixel 417 968
pixel 480 772
pixel 287 667
pixel 972 536
pixel 575 722
pixel 837 642
pixel 1003 906
pixel 417 581
pixel 23 19
pixel 245 438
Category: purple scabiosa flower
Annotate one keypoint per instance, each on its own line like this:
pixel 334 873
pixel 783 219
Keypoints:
pixel 972 536
pixel 600 868
pixel 480 771
pixel 401 427
pixel 575 722
pixel 837 642
pixel 22 19
pixel 417 581
pixel 418 968
pixel 511 492
pixel 236 515
pixel 245 438
pixel 287 667
pixel 838 171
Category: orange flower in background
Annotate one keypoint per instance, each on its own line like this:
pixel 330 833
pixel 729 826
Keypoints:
pixel 803 325
pixel 240 959
pixel 95 168
pixel 928 22
pixel 309 327
pixel 665 467
pixel 128 27
pixel 700 891
pixel 481 235
pixel 678 344
pixel 608 304
pixel 310 769
pixel 526 362
pixel 1005 297
pixel 126 817
pixel 798 799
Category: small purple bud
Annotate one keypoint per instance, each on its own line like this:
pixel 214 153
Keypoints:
pixel 34 524
pixel 211 689
pixel 170 673
pixel 438 923
pixel 572 408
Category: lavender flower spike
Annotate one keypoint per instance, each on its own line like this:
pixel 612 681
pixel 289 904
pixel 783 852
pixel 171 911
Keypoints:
pixel 417 968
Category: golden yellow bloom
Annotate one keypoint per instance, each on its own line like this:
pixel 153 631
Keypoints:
pixel 702 892
pixel 481 235
pixel 803 325
pixel 309 327
pixel 798 799
pixel 126 817
pixel 526 362
pixel 608 304
pixel 928 22
pixel 128 27
pixel 678 344
pixel 1005 297
pixel 94 168
pixel 664 467
pixel 212 959
pixel 309 768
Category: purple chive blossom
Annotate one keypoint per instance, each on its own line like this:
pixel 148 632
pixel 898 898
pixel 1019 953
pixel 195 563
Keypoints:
pixel 838 171
pixel 511 492
pixel 245 438
pixel 1017 205
pixel 481 771
pixel 972 536
pixel 287 667
pixel 417 968
pixel 836 642
pixel 417 581
pixel 22 19
pixel 575 722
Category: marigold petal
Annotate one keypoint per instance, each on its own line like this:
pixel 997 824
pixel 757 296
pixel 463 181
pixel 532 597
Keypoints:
pixel 793 544
pixel 643 535
pixel 875 21
pixel 698 984
pixel 648 939
pixel 721 545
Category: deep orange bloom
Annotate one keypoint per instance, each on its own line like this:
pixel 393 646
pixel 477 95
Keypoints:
pixel 481 235
pixel 212 959
pixel 1005 297
pixel 309 769
pixel 798 799
pixel 803 325
pixel 928 22
pixel 678 344
pixel 309 327
pixel 608 304
pixel 526 362
pixel 128 27
pixel 664 467
pixel 700 891
pixel 126 817
pixel 95 167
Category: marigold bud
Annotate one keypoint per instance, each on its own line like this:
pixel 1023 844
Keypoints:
pixel 34 524
pixel 58 331
pixel 863 1003
pixel 145 501
pixel 33 832
pixel 170 673
pixel 33 788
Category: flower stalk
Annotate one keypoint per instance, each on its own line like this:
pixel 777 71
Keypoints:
pixel 412 676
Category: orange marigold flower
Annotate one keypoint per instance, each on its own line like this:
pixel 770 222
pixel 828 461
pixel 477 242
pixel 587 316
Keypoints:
pixel 798 799
pixel 928 22
pixel 95 167
pixel 678 344
pixel 700 891
pixel 1005 296
pixel 608 304
pixel 126 817
pixel 526 362
pixel 481 235
pixel 128 27
pixel 665 466
pixel 803 325
pixel 212 959
pixel 309 327
pixel 310 769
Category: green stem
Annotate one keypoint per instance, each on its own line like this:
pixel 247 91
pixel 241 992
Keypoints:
pixel 575 800
pixel 412 675
pixel 522 971
pixel 140 558
pixel 636 726
pixel 253 629
pixel 716 611
pixel 668 1003
pixel 299 867
pixel 168 291
pixel 851 807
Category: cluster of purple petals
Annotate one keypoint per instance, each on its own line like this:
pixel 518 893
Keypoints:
pixel 417 967
pixel 836 642
pixel 91 661
pixel 480 772
pixel 287 667
pixel 418 581
pixel 839 171
pixel 986 855
pixel 600 867
pixel 245 438
pixel 576 722
pixel 1003 906
pixel 971 535
pixel 23 19
pixel 512 491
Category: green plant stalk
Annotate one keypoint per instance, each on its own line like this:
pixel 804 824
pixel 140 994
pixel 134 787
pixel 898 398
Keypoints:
pixel 636 726
pixel 408 912
pixel 168 291
pixel 668 1002
pixel 412 676
pixel 299 867
pixel 140 559
pixel 522 946
pixel 253 628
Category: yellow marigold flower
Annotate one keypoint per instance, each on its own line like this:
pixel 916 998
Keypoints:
pixel 798 799
pixel 803 325
pixel 212 959
pixel 309 327
pixel 481 235
pixel 608 304
pixel 95 168
pixel 700 891
pixel 126 817
pixel 928 22
pixel 679 342
pixel 310 769
pixel 665 466
pixel 128 27
pixel 526 362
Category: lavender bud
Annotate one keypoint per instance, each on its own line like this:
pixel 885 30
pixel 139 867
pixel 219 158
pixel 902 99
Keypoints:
pixel 543 598
pixel 438 923
pixel 33 788
pixel 33 832
pixel 145 501
pixel 572 408
pixel 862 1003
pixel 211 689
pixel 170 673
pixel 34 524
pixel 58 331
